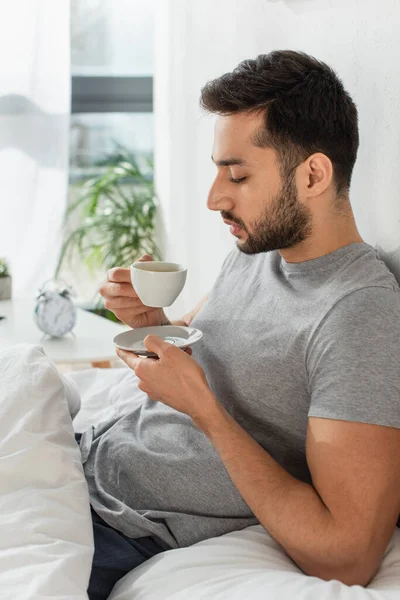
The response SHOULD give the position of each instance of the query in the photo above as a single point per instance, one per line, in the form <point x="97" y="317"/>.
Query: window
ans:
<point x="112" y="82"/>
<point x="111" y="104"/>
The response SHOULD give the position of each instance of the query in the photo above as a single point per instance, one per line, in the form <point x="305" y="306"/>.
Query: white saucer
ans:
<point x="133" y="340"/>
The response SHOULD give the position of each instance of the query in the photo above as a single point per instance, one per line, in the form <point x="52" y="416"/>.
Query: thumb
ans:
<point x="145" y="258"/>
<point x="155" y="344"/>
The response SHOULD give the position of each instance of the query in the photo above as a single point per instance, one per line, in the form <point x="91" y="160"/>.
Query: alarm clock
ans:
<point x="55" y="312"/>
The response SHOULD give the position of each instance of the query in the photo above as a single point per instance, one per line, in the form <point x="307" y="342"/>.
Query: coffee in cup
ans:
<point x="158" y="283"/>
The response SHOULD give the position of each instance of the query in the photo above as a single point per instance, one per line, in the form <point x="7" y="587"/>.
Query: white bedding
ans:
<point x="105" y="395"/>
<point x="46" y="542"/>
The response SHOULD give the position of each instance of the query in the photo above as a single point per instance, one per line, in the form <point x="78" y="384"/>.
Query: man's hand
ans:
<point x="121" y="298"/>
<point x="175" y="378"/>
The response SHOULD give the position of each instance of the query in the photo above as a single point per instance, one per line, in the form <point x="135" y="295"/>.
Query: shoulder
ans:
<point x="361" y="289"/>
<point x="373" y="308"/>
<point x="364" y="269"/>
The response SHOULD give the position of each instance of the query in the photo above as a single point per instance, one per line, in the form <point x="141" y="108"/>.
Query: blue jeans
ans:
<point x="115" y="555"/>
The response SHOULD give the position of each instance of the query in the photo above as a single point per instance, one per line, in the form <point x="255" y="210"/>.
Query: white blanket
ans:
<point x="105" y="395"/>
<point x="46" y="540"/>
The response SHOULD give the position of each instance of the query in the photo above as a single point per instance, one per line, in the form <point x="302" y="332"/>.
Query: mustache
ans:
<point x="229" y="217"/>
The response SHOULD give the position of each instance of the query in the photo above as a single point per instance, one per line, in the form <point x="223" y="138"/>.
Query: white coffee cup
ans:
<point x="158" y="283"/>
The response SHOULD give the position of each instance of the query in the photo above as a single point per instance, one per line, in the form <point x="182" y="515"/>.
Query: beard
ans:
<point x="284" y="223"/>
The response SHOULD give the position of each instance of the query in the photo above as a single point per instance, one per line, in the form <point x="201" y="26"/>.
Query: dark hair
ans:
<point x="305" y="105"/>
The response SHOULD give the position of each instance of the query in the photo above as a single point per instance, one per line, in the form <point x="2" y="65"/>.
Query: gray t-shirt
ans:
<point x="282" y="342"/>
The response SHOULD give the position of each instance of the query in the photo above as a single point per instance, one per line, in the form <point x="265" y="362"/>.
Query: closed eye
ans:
<point x="233" y="180"/>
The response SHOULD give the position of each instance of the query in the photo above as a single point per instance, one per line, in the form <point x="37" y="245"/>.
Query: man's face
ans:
<point x="249" y="191"/>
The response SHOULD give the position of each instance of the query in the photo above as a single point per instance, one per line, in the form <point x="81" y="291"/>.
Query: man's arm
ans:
<point x="187" y="319"/>
<point x="337" y="528"/>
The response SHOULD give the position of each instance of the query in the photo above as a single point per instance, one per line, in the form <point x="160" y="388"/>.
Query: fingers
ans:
<point x="113" y="290"/>
<point x="144" y="258"/>
<point x="131" y="359"/>
<point x="119" y="275"/>
<point x="134" y="361"/>
<point x="120" y="302"/>
<point x="119" y="282"/>
<point x="122" y="275"/>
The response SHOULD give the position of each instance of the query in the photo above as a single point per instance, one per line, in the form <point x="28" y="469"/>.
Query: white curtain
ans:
<point x="197" y="41"/>
<point x="34" y="133"/>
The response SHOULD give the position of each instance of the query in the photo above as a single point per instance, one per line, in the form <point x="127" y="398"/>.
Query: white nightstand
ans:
<point x="92" y="341"/>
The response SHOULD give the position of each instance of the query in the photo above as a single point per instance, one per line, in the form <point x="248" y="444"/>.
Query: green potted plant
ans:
<point x="116" y="219"/>
<point x="5" y="280"/>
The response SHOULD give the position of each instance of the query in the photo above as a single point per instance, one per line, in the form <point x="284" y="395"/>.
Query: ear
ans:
<point x="316" y="175"/>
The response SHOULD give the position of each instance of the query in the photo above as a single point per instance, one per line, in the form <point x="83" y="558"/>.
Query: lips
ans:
<point x="231" y="223"/>
<point x="234" y="229"/>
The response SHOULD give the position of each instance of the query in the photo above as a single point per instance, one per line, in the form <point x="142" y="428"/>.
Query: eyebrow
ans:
<point x="227" y="162"/>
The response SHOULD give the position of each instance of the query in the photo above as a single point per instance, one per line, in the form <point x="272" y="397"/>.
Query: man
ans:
<point x="288" y="410"/>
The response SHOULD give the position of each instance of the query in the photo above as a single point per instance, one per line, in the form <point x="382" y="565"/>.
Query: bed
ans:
<point x="46" y="543"/>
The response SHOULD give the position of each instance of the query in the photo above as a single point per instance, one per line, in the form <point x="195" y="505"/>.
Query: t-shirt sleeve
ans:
<point x="353" y="359"/>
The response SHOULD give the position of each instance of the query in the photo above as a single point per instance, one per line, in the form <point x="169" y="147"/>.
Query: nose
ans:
<point x="218" y="198"/>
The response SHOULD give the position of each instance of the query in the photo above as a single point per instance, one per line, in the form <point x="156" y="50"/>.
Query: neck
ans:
<point x="329" y="234"/>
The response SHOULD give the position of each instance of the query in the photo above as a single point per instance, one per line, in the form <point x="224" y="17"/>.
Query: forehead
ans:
<point x="234" y="137"/>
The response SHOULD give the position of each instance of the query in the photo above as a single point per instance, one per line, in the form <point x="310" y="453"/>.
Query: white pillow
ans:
<point x="247" y="565"/>
<point x="46" y="540"/>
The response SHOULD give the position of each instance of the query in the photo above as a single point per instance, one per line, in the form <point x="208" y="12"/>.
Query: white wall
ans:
<point x="197" y="41"/>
